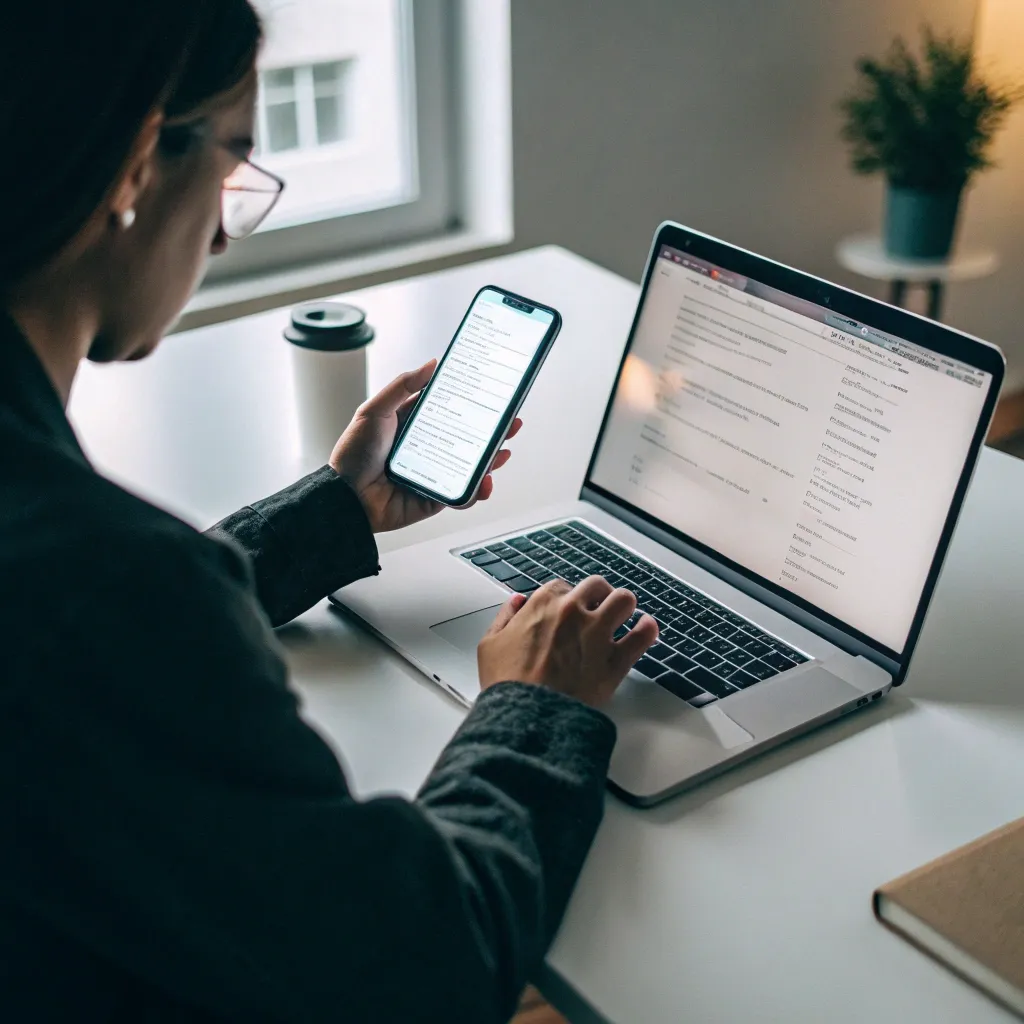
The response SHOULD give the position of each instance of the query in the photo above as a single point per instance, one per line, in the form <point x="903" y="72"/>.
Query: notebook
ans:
<point x="966" y="909"/>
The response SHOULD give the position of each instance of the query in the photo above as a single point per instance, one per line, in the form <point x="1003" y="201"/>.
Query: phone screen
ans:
<point x="464" y="403"/>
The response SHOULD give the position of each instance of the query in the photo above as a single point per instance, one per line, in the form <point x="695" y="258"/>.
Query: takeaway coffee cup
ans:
<point x="328" y="343"/>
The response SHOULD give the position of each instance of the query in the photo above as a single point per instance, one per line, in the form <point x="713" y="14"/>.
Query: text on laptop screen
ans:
<point x="814" y="451"/>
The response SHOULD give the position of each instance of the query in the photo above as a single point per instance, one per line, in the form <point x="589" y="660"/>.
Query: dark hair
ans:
<point x="80" y="78"/>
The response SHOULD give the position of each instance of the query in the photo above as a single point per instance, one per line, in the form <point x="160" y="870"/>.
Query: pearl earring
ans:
<point x="127" y="219"/>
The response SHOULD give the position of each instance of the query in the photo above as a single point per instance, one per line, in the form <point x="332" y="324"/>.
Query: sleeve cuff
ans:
<point x="305" y="542"/>
<point x="537" y="721"/>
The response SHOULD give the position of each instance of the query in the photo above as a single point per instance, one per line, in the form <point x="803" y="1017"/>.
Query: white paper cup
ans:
<point x="328" y="343"/>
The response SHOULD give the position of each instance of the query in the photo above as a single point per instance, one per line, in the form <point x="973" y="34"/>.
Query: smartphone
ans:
<point x="447" y="444"/>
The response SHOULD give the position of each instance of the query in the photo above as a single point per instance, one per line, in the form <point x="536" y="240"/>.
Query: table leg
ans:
<point x="898" y="293"/>
<point x="935" y="291"/>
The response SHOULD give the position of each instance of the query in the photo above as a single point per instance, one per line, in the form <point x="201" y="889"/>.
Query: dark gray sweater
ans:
<point x="175" y="843"/>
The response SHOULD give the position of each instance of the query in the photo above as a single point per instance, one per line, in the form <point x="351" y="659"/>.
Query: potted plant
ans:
<point x="928" y="125"/>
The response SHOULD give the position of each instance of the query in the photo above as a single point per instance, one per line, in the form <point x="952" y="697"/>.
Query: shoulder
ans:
<point x="78" y="541"/>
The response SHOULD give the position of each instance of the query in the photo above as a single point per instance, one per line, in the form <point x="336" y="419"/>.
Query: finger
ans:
<point x="636" y="642"/>
<point x="407" y="407"/>
<point x="615" y="609"/>
<point x="592" y="591"/>
<point x="517" y="425"/>
<point x="390" y="399"/>
<point x="507" y="613"/>
<point x="485" y="490"/>
<point x="552" y="590"/>
<point x="500" y="459"/>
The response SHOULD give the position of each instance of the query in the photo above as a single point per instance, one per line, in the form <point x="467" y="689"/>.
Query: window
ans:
<point x="302" y="108"/>
<point x="354" y="113"/>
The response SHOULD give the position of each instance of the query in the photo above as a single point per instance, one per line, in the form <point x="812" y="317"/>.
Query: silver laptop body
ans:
<point x="782" y="461"/>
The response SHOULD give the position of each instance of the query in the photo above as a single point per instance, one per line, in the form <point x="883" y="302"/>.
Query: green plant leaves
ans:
<point x="924" y="122"/>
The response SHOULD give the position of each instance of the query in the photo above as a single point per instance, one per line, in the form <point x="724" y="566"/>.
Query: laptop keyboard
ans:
<point x="705" y="651"/>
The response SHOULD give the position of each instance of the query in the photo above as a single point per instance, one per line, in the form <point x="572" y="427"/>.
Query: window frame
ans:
<point x="429" y="89"/>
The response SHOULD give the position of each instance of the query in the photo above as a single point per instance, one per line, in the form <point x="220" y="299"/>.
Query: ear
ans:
<point x="139" y="167"/>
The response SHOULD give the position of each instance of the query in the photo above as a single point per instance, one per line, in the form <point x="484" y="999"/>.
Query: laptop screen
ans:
<point x="812" y="450"/>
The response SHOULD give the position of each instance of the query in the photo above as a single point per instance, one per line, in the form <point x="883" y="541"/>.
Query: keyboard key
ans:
<point x="675" y="683"/>
<point x="617" y="581"/>
<point x="475" y="554"/>
<point x="657" y="608"/>
<point x="737" y="677"/>
<point x="521" y="584"/>
<point x="739" y="657"/>
<point x="559" y="531"/>
<point x="707" y="659"/>
<point x="679" y="663"/>
<point x="649" y="667"/>
<point x="672" y="636"/>
<point x="756" y="648"/>
<point x="787" y="652"/>
<point x="724" y="629"/>
<point x="777" y="661"/>
<point x="699" y="633"/>
<point x="686" y="607"/>
<point x="707" y="617"/>
<point x="519" y="543"/>
<point x="501" y="571"/>
<point x="656" y="587"/>
<point x="759" y="670"/>
<point x="592" y="568"/>
<point x="620" y="633"/>
<point x="710" y="682"/>
<point x="520" y="561"/>
<point x="501" y="550"/>
<point x="539" y="536"/>
<point x="637" y="576"/>
<point x="573" y="576"/>
<point x="720" y="647"/>
<point x="486" y="558"/>
<point x="688" y="647"/>
<point x="702" y="699"/>
<point x="684" y="623"/>
<point x="542" y="575"/>
<point x="660" y="651"/>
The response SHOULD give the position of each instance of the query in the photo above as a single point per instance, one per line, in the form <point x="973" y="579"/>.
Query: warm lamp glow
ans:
<point x="999" y="39"/>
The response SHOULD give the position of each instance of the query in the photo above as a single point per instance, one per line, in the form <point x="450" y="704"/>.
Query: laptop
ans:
<point x="777" y="477"/>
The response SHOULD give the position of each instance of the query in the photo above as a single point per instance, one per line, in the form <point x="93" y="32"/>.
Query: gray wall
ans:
<point x="723" y="115"/>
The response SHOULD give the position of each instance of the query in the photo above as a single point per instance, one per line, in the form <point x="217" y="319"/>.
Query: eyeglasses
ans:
<point x="248" y="196"/>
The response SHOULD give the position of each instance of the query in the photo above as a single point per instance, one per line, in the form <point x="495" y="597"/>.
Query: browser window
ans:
<point x="815" y="451"/>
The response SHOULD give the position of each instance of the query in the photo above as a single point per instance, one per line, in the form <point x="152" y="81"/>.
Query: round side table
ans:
<point x="866" y="255"/>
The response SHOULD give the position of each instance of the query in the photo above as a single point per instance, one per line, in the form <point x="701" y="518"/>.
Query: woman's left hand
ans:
<point x="360" y="454"/>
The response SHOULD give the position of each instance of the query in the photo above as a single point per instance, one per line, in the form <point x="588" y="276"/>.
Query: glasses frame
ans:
<point x="274" y="191"/>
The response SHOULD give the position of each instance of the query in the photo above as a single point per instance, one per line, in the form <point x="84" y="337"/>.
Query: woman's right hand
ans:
<point x="563" y="639"/>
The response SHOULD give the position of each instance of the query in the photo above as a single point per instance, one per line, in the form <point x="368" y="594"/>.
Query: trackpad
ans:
<point x="466" y="632"/>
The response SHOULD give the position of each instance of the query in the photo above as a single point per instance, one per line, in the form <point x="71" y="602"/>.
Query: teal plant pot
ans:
<point x="919" y="225"/>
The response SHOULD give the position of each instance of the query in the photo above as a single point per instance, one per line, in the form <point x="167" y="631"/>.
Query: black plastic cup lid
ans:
<point x="329" y="327"/>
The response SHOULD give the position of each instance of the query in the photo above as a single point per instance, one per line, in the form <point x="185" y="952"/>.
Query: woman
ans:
<point x="177" y="844"/>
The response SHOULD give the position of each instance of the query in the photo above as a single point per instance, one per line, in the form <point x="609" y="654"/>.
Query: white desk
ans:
<point x="747" y="900"/>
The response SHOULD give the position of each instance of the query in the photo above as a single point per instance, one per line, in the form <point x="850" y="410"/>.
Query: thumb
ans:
<point x="507" y="613"/>
<point x="388" y="400"/>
